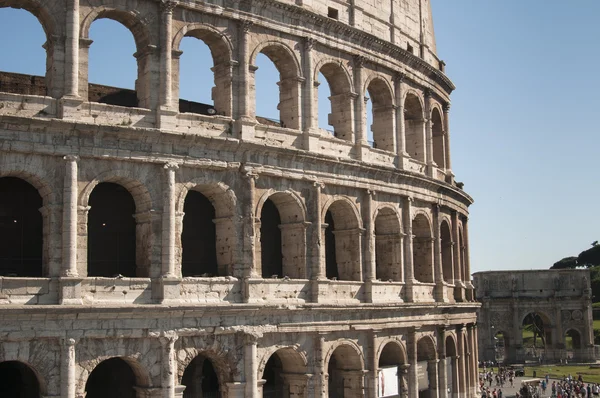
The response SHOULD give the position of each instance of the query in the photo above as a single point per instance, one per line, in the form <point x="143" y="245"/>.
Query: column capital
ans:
<point x="446" y="107"/>
<point x="319" y="184"/>
<point x="246" y="25"/>
<point x="167" y="6"/>
<point x="168" y="337"/>
<point x="359" y="61"/>
<point x="428" y="93"/>
<point x="171" y="166"/>
<point x="371" y="192"/>
<point x="69" y="341"/>
<point x="310" y="43"/>
<point x="399" y="77"/>
<point x="71" y="158"/>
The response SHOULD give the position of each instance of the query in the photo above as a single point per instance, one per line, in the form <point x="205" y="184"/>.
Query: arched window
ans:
<point x="426" y="363"/>
<point x="18" y="380"/>
<point x="340" y="100"/>
<point x="392" y="356"/>
<point x="345" y="373"/>
<point x="111" y="378"/>
<point x="572" y="340"/>
<point x="270" y="241"/>
<point x="25" y="73"/>
<point x="198" y="239"/>
<point x="446" y="241"/>
<point x="451" y="370"/>
<point x="200" y="379"/>
<point x="388" y="248"/>
<point x="21" y="232"/>
<point x="439" y="139"/>
<point x="111" y="232"/>
<point x="422" y="249"/>
<point x="195" y="63"/>
<point x="382" y="109"/>
<point x="284" y="374"/>
<point x="343" y="257"/>
<point x="414" y="125"/>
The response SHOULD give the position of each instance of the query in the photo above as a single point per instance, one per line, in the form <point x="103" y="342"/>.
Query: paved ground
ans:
<point x="508" y="391"/>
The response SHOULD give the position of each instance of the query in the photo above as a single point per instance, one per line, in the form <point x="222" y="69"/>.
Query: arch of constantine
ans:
<point x="151" y="246"/>
<point x="556" y="305"/>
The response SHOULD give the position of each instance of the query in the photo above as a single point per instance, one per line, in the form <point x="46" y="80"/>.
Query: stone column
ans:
<point x="359" y="116"/>
<point x="462" y="351"/>
<point x="72" y="50"/>
<point x="370" y="261"/>
<point x="67" y="372"/>
<point x="470" y="288"/>
<point x="318" y="243"/>
<point x="309" y="99"/>
<point x="432" y="370"/>
<point x="169" y="219"/>
<point x="455" y="376"/>
<point x="443" y="375"/>
<point x="169" y="364"/>
<point x="400" y="122"/>
<point x="458" y="285"/>
<point x="449" y="174"/>
<point x="245" y="120"/>
<point x="248" y="231"/>
<point x="429" y="134"/>
<point x="69" y="227"/>
<point x="411" y="348"/>
<point x="473" y="362"/>
<point x="234" y="390"/>
<point x="251" y="365"/>
<point x="409" y="271"/>
<point x="166" y="51"/>
<point x="321" y="388"/>
<point x="373" y="387"/>
<point x="403" y="380"/>
<point x="440" y="292"/>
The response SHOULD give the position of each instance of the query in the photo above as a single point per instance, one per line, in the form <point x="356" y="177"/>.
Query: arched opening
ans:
<point x="199" y="96"/>
<point x="426" y="368"/>
<point x="200" y="379"/>
<point x="446" y="241"/>
<point x="461" y="247"/>
<point x="536" y="334"/>
<point x="572" y="340"/>
<point x="18" y="380"/>
<point x="439" y="139"/>
<point x="113" y="82"/>
<point x="111" y="378"/>
<point x="392" y="377"/>
<point x="270" y="241"/>
<point x="111" y="232"/>
<point x="25" y="73"/>
<point x="451" y="367"/>
<point x="422" y="249"/>
<point x="195" y="63"/>
<point x="414" y="125"/>
<point x="342" y="257"/>
<point x="21" y="231"/>
<point x="500" y="346"/>
<point x="198" y="239"/>
<point x="382" y="115"/>
<point x="345" y="376"/>
<point x="388" y="247"/>
<point x="284" y="375"/>
<point x="340" y="100"/>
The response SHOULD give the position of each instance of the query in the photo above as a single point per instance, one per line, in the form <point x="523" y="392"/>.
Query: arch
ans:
<point x="221" y="196"/>
<point x="388" y="245"/>
<point x="422" y="248"/>
<point x="381" y="96"/>
<point x="39" y="10"/>
<point x="426" y="348"/>
<point x="31" y="174"/>
<point x="462" y="266"/>
<point x="447" y="257"/>
<point x="221" y="50"/>
<point x="218" y="355"/>
<point x="342" y="96"/>
<point x="439" y="138"/>
<point x="283" y="369"/>
<point x="537" y="324"/>
<point x="288" y="66"/>
<point x="282" y="235"/>
<point x="414" y="124"/>
<point x="426" y="362"/>
<point x="201" y="378"/>
<point x="292" y="357"/>
<point x="391" y="352"/>
<point x="19" y="379"/>
<point x="345" y="363"/>
<point x="342" y="240"/>
<point x="116" y="376"/>
<point x="573" y="339"/>
<point x="350" y="350"/>
<point x="131" y="19"/>
<point x="21" y="229"/>
<point x="451" y="359"/>
<point x="141" y="194"/>
<point x="198" y="237"/>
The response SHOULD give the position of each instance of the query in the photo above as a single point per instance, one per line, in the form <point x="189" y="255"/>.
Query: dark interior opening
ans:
<point x="199" y="257"/>
<point x="274" y="383"/>
<point x="20" y="229"/>
<point x="111" y="378"/>
<point x="270" y="241"/>
<point x="18" y="380"/>
<point x="200" y="379"/>
<point x="111" y="232"/>
<point x="331" y="269"/>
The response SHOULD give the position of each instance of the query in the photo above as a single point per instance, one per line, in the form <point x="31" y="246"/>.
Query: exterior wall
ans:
<point x="54" y="136"/>
<point x="561" y="297"/>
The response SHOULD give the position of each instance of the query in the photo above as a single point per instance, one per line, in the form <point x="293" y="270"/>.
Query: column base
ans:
<point x="440" y="293"/>
<point x="166" y="118"/>
<point x="243" y="128"/>
<point x="70" y="291"/>
<point x="68" y="107"/>
<point x="311" y="138"/>
<point x="166" y="289"/>
<point x="362" y="150"/>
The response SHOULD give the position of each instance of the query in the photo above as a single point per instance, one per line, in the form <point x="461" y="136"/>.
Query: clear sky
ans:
<point x="524" y="134"/>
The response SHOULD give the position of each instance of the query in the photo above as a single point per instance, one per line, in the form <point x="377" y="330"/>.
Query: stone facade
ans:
<point x="562" y="299"/>
<point x="211" y="253"/>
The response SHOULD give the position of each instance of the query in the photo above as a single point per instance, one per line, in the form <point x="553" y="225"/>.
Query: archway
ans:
<point x="422" y="249"/>
<point x="111" y="232"/>
<point x="446" y="241"/>
<point x="270" y="241"/>
<point x="439" y="139"/>
<point x="388" y="247"/>
<point x="392" y="377"/>
<point x="21" y="231"/>
<point x="342" y="242"/>
<point x="572" y="340"/>
<point x="451" y="367"/>
<point x="382" y="115"/>
<point x="200" y="379"/>
<point x="111" y="378"/>
<point x="340" y="117"/>
<point x="426" y="368"/>
<point x="284" y="375"/>
<point x="18" y="380"/>
<point x="198" y="238"/>
<point x="414" y="125"/>
<point x="536" y="335"/>
<point x="501" y="345"/>
<point x="345" y="373"/>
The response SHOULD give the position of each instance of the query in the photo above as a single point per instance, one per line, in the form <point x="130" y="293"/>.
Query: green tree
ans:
<point x="590" y="257"/>
<point x="567" y="262"/>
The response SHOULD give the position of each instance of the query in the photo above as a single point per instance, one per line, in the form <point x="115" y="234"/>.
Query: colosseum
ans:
<point x="152" y="246"/>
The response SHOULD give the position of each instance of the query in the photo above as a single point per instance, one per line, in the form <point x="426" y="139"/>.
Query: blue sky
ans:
<point x="524" y="134"/>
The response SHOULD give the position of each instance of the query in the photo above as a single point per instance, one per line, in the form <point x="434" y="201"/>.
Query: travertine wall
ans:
<point x="390" y="204"/>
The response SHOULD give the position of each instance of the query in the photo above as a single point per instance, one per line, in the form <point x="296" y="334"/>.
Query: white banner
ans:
<point x="388" y="382"/>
